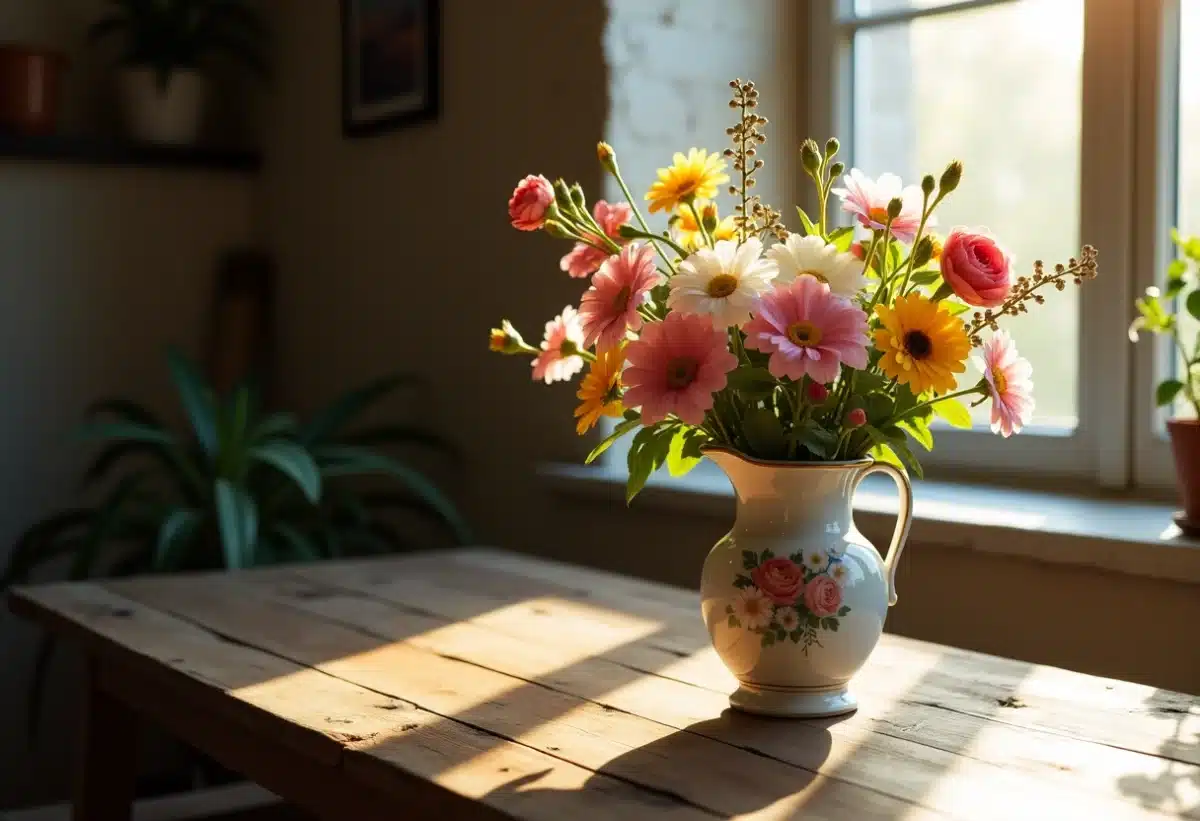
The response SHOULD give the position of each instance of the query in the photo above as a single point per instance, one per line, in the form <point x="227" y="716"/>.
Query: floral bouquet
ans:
<point x="828" y="344"/>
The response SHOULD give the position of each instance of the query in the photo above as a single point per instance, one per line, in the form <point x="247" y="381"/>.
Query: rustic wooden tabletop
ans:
<point x="483" y="684"/>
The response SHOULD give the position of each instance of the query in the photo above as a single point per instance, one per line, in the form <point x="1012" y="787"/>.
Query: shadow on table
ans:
<point x="1176" y="787"/>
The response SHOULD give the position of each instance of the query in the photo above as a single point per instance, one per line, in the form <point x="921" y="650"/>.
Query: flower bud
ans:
<point x="951" y="177"/>
<point x="857" y="250"/>
<point x="895" y="206"/>
<point x="607" y="157"/>
<point x="923" y="252"/>
<point x="557" y="230"/>
<point x="810" y="156"/>
<point x="561" y="192"/>
<point x="836" y="170"/>
<point x="831" y="147"/>
<point x="856" y="418"/>
<point x="927" y="184"/>
<point x="506" y="340"/>
<point x="816" y="392"/>
<point x="577" y="196"/>
<point x="709" y="218"/>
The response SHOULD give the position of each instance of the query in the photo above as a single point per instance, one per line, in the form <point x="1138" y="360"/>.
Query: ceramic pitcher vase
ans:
<point x="794" y="596"/>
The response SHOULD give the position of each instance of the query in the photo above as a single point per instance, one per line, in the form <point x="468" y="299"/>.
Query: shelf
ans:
<point x="102" y="151"/>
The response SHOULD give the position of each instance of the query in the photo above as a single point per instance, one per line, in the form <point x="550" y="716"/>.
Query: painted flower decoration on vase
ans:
<point x="688" y="178"/>
<point x="923" y="345"/>
<point x="686" y="231"/>
<point x="976" y="268"/>
<point x="610" y="306"/>
<point x="822" y="596"/>
<point x="811" y="256"/>
<point x="752" y="608"/>
<point x="808" y="331"/>
<point x="559" y="359"/>
<point x="868" y="199"/>
<point x="1009" y="382"/>
<point x="530" y="201"/>
<point x="600" y="390"/>
<point x="675" y="366"/>
<point x="586" y="257"/>
<point x="722" y="283"/>
<point x="780" y="578"/>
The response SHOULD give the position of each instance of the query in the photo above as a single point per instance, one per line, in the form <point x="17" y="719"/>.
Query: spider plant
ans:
<point x="167" y="35"/>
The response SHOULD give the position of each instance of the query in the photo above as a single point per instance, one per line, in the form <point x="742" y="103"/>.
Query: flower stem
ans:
<point x="976" y="388"/>
<point x="659" y="238"/>
<point x="796" y="408"/>
<point x="654" y="238"/>
<point x="700" y="223"/>
<point x="926" y="210"/>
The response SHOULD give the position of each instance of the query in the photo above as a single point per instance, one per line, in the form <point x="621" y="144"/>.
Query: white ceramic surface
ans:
<point x="171" y="115"/>
<point x="794" y="596"/>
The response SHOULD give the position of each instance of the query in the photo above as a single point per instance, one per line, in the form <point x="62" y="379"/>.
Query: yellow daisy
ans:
<point x="600" y="390"/>
<point x="923" y="345"/>
<point x="686" y="232"/>
<point x="696" y="175"/>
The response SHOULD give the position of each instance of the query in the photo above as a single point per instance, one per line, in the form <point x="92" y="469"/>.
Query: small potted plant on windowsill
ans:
<point x="167" y="44"/>
<point x="1159" y="314"/>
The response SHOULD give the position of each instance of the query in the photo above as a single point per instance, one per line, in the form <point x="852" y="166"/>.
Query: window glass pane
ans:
<point x="1188" y="186"/>
<point x="998" y="88"/>
<point x="865" y="8"/>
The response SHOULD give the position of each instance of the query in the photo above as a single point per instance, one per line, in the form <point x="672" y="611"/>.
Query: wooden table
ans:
<point x="482" y="684"/>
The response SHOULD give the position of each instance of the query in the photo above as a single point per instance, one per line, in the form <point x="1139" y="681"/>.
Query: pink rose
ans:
<point x="976" y="268"/>
<point x="781" y="579"/>
<point x="530" y="200"/>
<point x="822" y="596"/>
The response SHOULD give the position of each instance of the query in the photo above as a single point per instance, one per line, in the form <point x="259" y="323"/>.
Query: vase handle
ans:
<point x="903" y="521"/>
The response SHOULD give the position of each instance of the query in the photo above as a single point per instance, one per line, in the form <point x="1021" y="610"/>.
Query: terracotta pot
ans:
<point x="30" y="80"/>
<point x="1185" y="445"/>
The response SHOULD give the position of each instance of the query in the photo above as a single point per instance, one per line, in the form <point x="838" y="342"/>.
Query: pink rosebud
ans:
<point x="530" y="200"/>
<point x="856" y="418"/>
<point x="979" y="270"/>
<point x="817" y="393"/>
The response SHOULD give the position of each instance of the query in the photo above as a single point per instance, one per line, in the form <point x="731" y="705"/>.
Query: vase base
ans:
<point x="793" y="703"/>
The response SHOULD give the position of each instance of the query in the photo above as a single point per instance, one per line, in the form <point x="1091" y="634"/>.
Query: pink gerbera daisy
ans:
<point x="868" y="200"/>
<point x="584" y="259"/>
<point x="808" y="330"/>
<point x="560" y="359"/>
<point x="610" y="306"/>
<point x="675" y="367"/>
<point x="1008" y="378"/>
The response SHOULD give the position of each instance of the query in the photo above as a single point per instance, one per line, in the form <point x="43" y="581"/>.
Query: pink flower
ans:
<point x="1008" y="378"/>
<point x="868" y="200"/>
<point x="781" y="579"/>
<point x="822" y="596"/>
<point x="979" y="270"/>
<point x="584" y="259"/>
<point x="618" y="288"/>
<point x="675" y="367"/>
<point x="529" y="202"/>
<point x="560" y="359"/>
<point x="808" y="330"/>
<point x="856" y="418"/>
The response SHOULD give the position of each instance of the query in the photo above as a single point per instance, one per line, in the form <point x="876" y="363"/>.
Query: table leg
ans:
<point x="108" y="761"/>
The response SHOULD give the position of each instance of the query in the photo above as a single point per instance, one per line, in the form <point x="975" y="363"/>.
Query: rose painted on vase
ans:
<point x="823" y="596"/>
<point x="782" y="580"/>
<point x="976" y="268"/>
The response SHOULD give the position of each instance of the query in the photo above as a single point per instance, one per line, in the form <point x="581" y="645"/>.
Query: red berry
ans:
<point x="856" y="418"/>
<point x="817" y="393"/>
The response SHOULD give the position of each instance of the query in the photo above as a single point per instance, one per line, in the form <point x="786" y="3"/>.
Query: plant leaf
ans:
<point x="300" y="545"/>
<point x="752" y="383"/>
<point x="684" y="453"/>
<point x="42" y="542"/>
<point x="125" y="409"/>
<point x="842" y="238"/>
<point x="1193" y="303"/>
<point x="954" y="413"/>
<point x="1166" y="391"/>
<point x="647" y="453"/>
<point x="403" y="435"/>
<point x="197" y="400"/>
<point x="293" y="461"/>
<point x="275" y="425"/>
<point x="764" y="434"/>
<point x="918" y="429"/>
<point x="810" y="227"/>
<point x="126" y="431"/>
<point x="237" y="523"/>
<point x="623" y="427"/>
<point x="330" y="420"/>
<point x="176" y="531"/>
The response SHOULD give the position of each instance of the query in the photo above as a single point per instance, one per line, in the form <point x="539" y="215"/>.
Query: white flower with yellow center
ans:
<point x="787" y="618"/>
<point x="723" y="282"/>
<point x="753" y="609"/>
<point x="813" y="257"/>
<point x="815" y="559"/>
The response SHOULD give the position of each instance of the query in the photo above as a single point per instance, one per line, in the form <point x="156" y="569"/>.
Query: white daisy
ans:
<point x="752" y="608"/>
<point x="724" y="282"/>
<point x="815" y="559"/>
<point x="839" y="573"/>
<point x="811" y="256"/>
<point x="787" y="618"/>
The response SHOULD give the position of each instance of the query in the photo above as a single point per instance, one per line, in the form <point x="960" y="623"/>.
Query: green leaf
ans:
<point x="844" y="611"/>
<point x="623" y="427"/>
<point x="764" y="434"/>
<point x="734" y="621"/>
<point x="885" y="454"/>
<point x="330" y="420"/>
<point x="842" y="238"/>
<point x="918" y="429"/>
<point x="768" y="639"/>
<point x="810" y="227"/>
<point x="237" y="522"/>
<point x="752" y="383"/>
<point x="954" y="413"/>
<point x="344" y="460"/>
<point x="126" y="431"/>
<point x="684" y="453"/>
<point x="44" y="541"/>
<point x="197" y="400"/>
<point x="910" y="461"/>
<point x="1166" y="391"/>
<point x="822" y="443"/>
<point x="403" y="435"/>
<point x="926" y="277"/>
<point x="955" y="308"/>
<point x="780" y="634"/>
<point x="1193" y="304"/>
<point x="766" y="555"/>
<point x="749" y="560"/>
<point x="275" y="425"/>
<point x="125" y="409"/>
<point x="295" y="462"/>
<point x="173" y="536"/>
<point x="833" y="625"/>
<point x="647" y="453"/>
<point x="300" y="546"/>
<point x="1176" y="278"/>
<point x="796" y="635"/>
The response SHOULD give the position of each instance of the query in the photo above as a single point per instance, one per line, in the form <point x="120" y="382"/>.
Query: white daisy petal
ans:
<point x="723" y="282"/>
<point x="811" y="256"/>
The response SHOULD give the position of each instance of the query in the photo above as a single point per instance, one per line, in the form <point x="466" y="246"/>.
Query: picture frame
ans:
<point x="391" y="61"/>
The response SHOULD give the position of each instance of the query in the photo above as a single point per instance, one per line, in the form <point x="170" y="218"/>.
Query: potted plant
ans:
<point x="166" y="46"/>
<point x="1158" y="313"/>
<point x="241" y="488"/>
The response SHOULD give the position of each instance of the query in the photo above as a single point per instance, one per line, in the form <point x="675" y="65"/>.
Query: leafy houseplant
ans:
<point x="166" y="45"/>
<point x="242" y="488"/>
<point x="1158" y="313"/>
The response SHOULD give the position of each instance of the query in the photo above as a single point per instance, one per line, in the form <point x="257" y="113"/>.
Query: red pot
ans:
<point x="30" y="80"/>
<point x="1185" y="445"/>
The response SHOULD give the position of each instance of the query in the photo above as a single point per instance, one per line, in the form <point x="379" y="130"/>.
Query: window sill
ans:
<point x="1116" y="534"/>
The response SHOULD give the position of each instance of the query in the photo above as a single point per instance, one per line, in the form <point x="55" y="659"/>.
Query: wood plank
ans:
<point x="266" y="703"/>
<point x="632" y="748"/>
<point x="108" y="756"/>
<point x="525" y="648"/>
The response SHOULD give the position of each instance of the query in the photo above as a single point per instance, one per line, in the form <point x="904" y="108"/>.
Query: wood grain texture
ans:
<point x="486" y="681"/>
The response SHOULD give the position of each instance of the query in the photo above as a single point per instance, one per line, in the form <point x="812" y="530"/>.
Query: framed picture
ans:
<point x="391" y="56"/>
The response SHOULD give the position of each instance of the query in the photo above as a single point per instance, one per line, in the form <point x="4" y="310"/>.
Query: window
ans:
<point x="1066" y="114"/>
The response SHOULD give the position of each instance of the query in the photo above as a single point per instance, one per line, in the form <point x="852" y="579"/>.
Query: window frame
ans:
<point x="1099" y="449"/>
